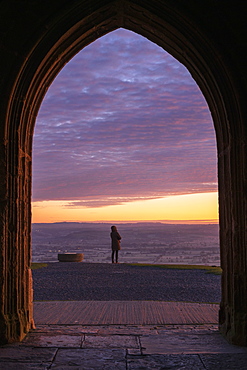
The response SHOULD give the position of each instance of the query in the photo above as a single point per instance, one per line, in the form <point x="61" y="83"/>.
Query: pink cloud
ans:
<point x="123" y="119"/>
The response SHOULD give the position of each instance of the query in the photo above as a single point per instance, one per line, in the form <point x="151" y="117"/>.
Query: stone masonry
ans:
<point x="37" y="39"/>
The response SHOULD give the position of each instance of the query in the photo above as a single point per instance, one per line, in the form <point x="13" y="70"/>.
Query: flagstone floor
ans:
<point x="73" y="346"/>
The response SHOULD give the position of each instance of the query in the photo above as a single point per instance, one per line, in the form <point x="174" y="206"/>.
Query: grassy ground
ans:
<point x="208" y="269"/>
<point x="35" y="265"/>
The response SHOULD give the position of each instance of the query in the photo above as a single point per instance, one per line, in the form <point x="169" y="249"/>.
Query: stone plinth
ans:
<point x="70" y="257"/>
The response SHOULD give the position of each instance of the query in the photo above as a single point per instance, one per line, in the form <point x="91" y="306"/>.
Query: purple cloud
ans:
<point x="123" y="119"/>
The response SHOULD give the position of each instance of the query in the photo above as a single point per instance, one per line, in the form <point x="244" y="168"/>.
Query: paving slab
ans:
<point x="90" y="359"/>
<point x="184" y="342"/>
<point x="198" y="329"/>
<point x="54" y="340"/>
<point x="225" y="361"/>
<point x="21" y="353"/>
<point x="110" y="341"/>
<point x="67" y="329"/>
<point x="186" y="362"/>
<point x="127" y="329"/>
<point x="24" y="366"/>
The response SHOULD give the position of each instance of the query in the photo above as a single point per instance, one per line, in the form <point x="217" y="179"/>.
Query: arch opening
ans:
<point x="134" y="112"/>
<point x="133" y="136"/>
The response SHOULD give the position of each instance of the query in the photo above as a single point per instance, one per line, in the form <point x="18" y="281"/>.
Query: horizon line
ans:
<point x="178" y="222"/>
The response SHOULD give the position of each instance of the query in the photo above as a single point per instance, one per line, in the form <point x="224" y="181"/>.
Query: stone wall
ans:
<point x="37" y="39"/>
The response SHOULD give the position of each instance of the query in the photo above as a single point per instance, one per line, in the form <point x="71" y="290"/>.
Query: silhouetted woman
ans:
<point x="115" y="243"/>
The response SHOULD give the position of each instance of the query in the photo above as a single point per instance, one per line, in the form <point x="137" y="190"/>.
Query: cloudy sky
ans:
<point x="122" y="122"/>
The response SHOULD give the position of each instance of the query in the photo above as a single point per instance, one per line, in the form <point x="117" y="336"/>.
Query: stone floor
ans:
<point x="124" y="347"/>
<point x="79" y="335"/>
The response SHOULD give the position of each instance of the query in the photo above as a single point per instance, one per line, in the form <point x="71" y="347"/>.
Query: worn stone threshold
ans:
<point x="124" y="312"/>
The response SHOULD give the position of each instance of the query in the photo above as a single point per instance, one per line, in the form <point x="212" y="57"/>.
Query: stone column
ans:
<point x="16" y="316"/>
<point x="233" y="308"/>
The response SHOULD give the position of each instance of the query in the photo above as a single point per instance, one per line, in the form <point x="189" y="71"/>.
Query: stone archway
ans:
<point x="38" y="40"/>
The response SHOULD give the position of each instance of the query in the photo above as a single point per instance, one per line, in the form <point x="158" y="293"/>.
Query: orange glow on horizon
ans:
<point x="202" y="206"/>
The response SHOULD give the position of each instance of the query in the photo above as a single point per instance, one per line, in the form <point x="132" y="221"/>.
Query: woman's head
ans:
<point x="113" y="228"/>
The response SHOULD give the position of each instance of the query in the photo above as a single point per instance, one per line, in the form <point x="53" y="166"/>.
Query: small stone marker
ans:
<point x="70" y="257"/>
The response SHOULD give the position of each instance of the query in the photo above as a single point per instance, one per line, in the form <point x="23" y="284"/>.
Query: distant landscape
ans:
<point x="142" y="242"/>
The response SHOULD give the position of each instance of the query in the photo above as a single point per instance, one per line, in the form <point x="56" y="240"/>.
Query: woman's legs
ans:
<point x="112" y="256"/>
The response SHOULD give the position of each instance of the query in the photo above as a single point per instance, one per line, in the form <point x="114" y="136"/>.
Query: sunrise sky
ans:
<point x="124" y="134"/>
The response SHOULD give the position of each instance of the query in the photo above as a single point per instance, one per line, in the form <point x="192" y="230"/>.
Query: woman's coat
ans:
<point x="115" y="241"/>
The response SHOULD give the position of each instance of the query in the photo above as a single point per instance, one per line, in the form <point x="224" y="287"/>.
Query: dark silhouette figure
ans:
<point x="115" y="243"/>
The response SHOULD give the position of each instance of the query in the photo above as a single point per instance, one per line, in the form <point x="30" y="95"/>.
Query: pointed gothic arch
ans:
<point x="37" y="45"/>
